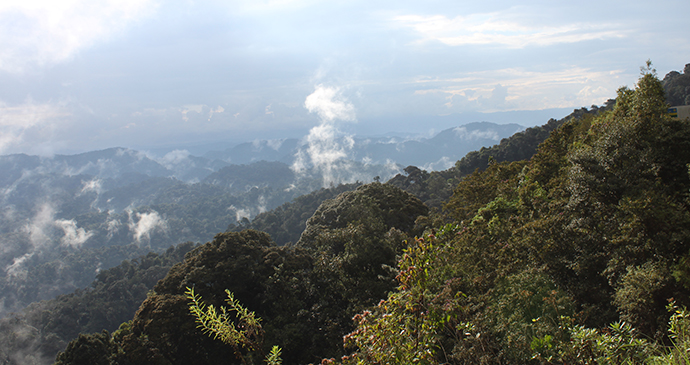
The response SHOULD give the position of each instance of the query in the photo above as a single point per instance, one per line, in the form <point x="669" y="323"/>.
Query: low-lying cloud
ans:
<point x="41" y="233"/>
<point x="462" y="133"/>
<point x="146" y="223"/>
<point x="73" y="236"/>
<point x="326" y="148"/>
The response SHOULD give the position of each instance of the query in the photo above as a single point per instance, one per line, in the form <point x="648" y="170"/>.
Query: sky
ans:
<point x="80" y="75"/>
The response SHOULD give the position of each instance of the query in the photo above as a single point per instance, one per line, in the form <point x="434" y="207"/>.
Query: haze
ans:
<point x="83" y="75"/>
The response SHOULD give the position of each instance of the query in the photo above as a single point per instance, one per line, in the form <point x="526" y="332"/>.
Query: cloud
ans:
<point x="42" y="231"/>
<point x="240" y="213"/>
<point x="113" y="224"/>
<point x="146" y="224"/>
<point x="217" y="110"/>
<point x="521" y="89"/>
<point x="329" y="105"/>
<point x="263" y="202"/>
<point x="38" y="228"/>
<point x="461" y="132"/>
<point x="42" y="225"/>
<point x="326" y="145"/>
<point x="326" y="148"/>
<point x="29" y="121"/>
<point x="41" y="33"/>
<point x="73" y="237"/>
<point x="94" y="185"/>
<point x="504" y="29"/>
<point x="443" y="163"/>
<point x="275" y="143"/>
<point x="16" y="268"/>
<point x="191" y="108"/>
<point x="174" y="158"/>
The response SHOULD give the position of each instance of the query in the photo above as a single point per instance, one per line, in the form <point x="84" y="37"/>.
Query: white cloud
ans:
<point x="39" y="226"/>
<point x="217" y="110"/>
<point x="462" y="133"/>
<point x="94" y="185"/>
<point x="325" y="151"/>
<point x="113" y="226"/>
<point x="275" y="143"/>
<point x="40" y="33"/>
<point x="191" y="108"/>
<point x="326" y="145"/>
<point x="268" y="6"/>
<point x="263" y="202"/>
<point x="146" y="224"/>
<point x="73" y="236"/>
<point x="240" y="213"/>
<point x="175" y="158"/>
<point x="37" y="121"/>
<point x="521" y="89"/>
<point x="505" y="29"/>
<point x="443" y="163"/>
<point x="329" y="104"/>
<point x="16" y="268"/>
<point x="43" y="231"/>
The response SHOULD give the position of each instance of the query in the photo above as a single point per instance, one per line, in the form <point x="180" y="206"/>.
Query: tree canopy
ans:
<point x="577" y="255"/>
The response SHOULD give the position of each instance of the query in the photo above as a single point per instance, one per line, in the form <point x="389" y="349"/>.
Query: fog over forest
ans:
<point x="380" y="182"/>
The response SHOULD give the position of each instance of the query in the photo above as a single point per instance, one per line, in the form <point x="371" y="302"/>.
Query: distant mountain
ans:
<point x="258" y="174"/>
<point x="64" y="218"/>
<point x="435" y="153"/>
<point x="282" y="150"/>
<point x="439" y="152"/>
<point x="107" y="163"/>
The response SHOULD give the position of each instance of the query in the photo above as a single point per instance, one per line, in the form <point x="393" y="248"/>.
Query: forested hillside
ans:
<point x="38" y="332"/>
<point x="42" y="329"/>
<point x="570" y="238"/>
<point x="286" y="223"/>
<point x="571" y="257"/>
<point x="305" y="294"/>
<point x="578" y="255"/>
<point x="66" y="217"/>
<point x="435" y="187"/>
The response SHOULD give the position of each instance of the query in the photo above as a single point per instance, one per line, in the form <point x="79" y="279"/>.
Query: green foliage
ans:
<point x="402" y="329"/>
<point x="524" y="313"/>
<point x="273" y="357"/>
<point x="677" y="87"/>
<point x="436" y="187"/>
<point x="639" y="292"/>
<point x="546" y="253"/>
<point x="523" y="145"/>
<point x="306" y="294"/>
<point x="616" y="344"/>
<point x="220" y="324"/>
<point x="481" y="188"/>
<point x="95" y="349"/>
<point x="355" y="239"/>
<point x="679" y="332"/>
<point x="111" y="299"/>
<point x="286" y="223"/>
<point x="392" y="206"/>
<point x="568" y="258"/>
